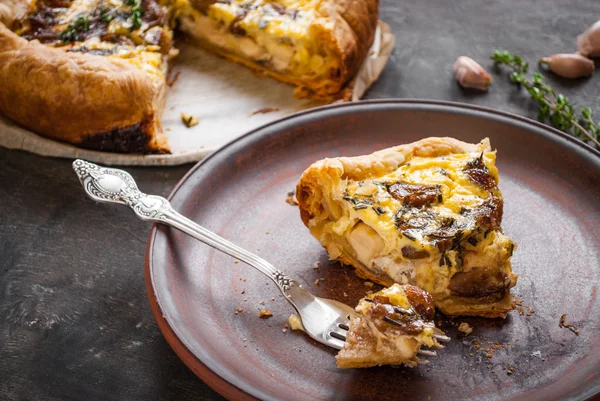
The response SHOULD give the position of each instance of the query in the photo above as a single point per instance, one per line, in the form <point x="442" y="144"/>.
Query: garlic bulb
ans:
<point x="569" y="65"/>
<point x="588" y="43"/>
<point x="469" y="74"/>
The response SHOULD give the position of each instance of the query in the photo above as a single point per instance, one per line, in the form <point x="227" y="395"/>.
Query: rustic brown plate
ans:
<point x="551" y="185"/>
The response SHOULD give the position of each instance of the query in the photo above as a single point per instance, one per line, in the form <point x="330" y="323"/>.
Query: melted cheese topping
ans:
<point x="458" y="191"/>
<point x="366" y="218"/>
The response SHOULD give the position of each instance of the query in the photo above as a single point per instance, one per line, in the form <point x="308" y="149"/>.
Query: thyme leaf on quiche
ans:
<point x="554" y="107"/>
<point x="136" y="16"/>
<point x="105" y="15"/>
<point x="73" y="32"/>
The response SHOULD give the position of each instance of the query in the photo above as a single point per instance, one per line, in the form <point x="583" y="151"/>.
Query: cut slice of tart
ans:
<point x="390" y="328"/>
<point x="428" y="213"/>
<point x="317" y="45"/>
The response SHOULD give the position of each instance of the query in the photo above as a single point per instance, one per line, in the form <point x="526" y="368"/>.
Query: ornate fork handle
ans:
<point x="110" y="185"/>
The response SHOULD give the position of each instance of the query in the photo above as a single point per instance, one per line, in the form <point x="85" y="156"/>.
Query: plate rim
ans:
<point x="221" y="385"/>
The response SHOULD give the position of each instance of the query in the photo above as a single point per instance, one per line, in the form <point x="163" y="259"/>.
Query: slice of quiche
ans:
<point x="428" y="213"/>
<point x="390" y="328"/>
<point x="88" y="72"/>
<point x="317" y="45"/>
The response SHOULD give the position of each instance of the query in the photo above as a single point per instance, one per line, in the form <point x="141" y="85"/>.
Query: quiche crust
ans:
<point x="97" y="102"/>
<point x="457" y="289"/>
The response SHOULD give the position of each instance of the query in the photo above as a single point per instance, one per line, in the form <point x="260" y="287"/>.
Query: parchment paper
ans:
<point x="228" y="100"/>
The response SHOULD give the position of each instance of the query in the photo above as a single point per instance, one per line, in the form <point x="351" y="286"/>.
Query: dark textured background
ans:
<point x="74" y="317"/>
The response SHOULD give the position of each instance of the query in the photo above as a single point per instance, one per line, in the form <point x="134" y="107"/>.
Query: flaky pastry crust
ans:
<point x="92" y="101"/>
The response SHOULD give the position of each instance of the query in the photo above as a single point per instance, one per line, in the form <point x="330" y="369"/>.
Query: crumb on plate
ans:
<point x="264" y="110"/>
<point x="295" y="322"/>
<point x="465" y="328"/>
<point x="291" y="198"/>
<point x="563" y="323"/>
<point x="265" y="313"/>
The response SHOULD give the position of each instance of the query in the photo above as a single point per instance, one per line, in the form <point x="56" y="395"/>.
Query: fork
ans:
<point x="325" y="320"/>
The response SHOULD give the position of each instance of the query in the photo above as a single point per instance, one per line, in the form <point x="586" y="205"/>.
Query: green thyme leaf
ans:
<point x="136" y="16"/>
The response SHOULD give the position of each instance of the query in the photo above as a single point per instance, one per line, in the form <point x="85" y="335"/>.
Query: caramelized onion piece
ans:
<point x="415" y="195"/>
<point x="478" y="282"/>
<point x="421" y="301"/>
<point x="410" y="252"/>
<point x="479" y="173"/>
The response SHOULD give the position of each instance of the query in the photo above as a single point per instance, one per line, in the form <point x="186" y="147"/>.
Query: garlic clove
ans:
<point x="588" y="43"/>
<point x="469" y="74"/>
<point x="569" y="65"/>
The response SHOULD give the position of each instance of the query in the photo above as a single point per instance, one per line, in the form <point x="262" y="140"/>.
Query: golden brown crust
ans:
<point x="311" y="205"/>
<point x="353" y="33"/>
<point x="73" y="97"/>
<point x="12" y="11"/>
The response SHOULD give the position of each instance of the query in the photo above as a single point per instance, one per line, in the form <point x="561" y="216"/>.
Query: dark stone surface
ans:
<point x="75" y="318"/>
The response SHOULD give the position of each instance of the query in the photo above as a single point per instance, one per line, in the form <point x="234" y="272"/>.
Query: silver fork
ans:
<point x="325" y="320"/>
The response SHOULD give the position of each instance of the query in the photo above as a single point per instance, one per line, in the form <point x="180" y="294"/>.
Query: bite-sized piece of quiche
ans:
<point x="390" y="328"/>
<point x="427" y="213"/>
<point x="88" y="72"/>
<point x="317" y="45"/>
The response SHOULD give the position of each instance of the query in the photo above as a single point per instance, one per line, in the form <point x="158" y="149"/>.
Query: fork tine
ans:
<point x="426" y="353"/>
<point x="335" y="343"/>
<point x="442" y="338"/>
<point x="337" y="335"/>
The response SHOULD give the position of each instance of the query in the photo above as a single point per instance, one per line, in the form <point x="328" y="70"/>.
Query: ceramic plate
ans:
<point x="551" y="186"/>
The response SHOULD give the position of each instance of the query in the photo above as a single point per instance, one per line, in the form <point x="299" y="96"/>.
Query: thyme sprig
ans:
<point x="74" y="31"/>
<point x="553" y="108"/>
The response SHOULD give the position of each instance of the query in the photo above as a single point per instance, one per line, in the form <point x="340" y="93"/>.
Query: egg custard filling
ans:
<point x="390" y="328"/>
<point x="427" y="213"/>
<point x="289" y="39"/>
<point x="133" y="30"/>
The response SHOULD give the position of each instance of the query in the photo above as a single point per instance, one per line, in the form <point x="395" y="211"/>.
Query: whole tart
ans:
<point x="93" y="72"/>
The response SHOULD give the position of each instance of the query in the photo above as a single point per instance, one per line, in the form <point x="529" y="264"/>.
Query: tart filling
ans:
<point x="391" y="327"/>
<point x="133" y="30"/>
<point x="291" y="39"/>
